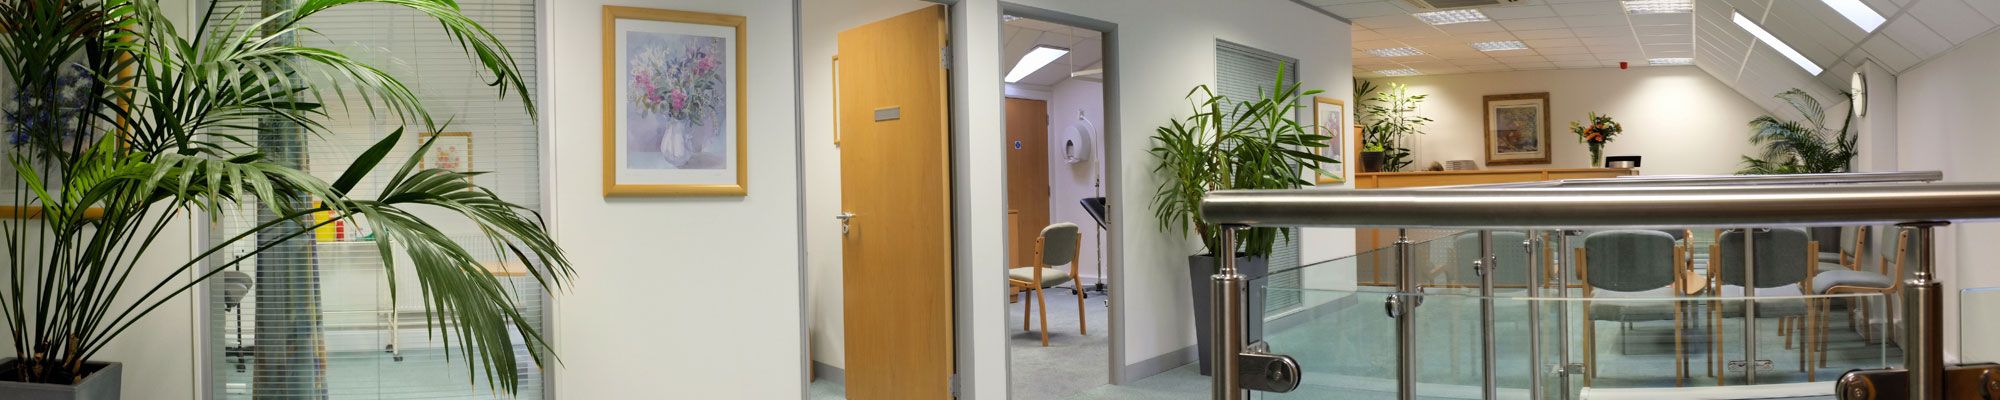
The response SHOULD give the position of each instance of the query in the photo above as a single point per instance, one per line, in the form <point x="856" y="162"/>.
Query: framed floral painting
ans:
<point x="1517" y="129"/>
<point x="673" y="103"/>
<point x="1330" y="119"/>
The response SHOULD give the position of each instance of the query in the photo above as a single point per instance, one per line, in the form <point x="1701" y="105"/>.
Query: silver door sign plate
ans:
<point x="888" y="113"/>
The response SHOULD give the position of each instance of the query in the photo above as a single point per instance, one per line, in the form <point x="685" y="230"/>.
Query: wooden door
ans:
<point x="895" y="183"/>
<point x="1027" y="173"/>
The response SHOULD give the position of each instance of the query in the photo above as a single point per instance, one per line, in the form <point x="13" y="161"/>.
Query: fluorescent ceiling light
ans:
<point x="1448" y="17"/>
<point x="1776" y="44"/>
<point x="1670" y="61"/>
<point x="1397" y="72"/>
<point x="1040" y="57"/>
<point x="1643" y="7"/>
<point x="1396" y="52"/>
<point x="1500" y="45"/>
<point x="1864" y="17"/>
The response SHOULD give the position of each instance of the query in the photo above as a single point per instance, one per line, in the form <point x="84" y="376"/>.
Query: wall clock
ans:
<point x="1859" y="84"/>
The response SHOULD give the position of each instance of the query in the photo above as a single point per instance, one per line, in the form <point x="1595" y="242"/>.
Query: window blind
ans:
<point x="1243" y="73"/>
<point x="311" y="318"/>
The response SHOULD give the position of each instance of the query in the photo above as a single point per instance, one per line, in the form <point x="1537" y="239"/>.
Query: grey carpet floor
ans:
<point x="1073" y="362"/>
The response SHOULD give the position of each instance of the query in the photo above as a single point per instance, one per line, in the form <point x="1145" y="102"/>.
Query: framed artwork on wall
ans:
<point x="1330" y="119"/>
<point x="452" y="151"/>
<point x="674" y="109"/>
<point x="1517" y="129"/>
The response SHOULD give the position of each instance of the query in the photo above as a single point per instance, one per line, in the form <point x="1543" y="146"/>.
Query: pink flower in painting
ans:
<point x="704" y="66"/>
<point x="679" y="100"/>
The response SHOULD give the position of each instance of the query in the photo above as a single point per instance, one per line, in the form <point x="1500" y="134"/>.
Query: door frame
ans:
<point x="1113" y="238"/>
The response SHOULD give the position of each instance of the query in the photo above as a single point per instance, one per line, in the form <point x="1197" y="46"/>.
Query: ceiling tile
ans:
<point x="1578" y="64"/>
<point x="1471" y="27"/>
<point x="1572" y="57"/>
<point x="1533" y="66"/>
<point x="1533" y="23"/>
<point x="1653" y="48"/>
<point x="1485" y="37"/>
<point x="1562" y="50"/>
<point x="1376" y="44"/>
<point x="1610" y="9"/>
<point x="1952" y="19"/>
<point x="1518" y="12"/>
<point x="1595" y="20"/>
<point x="1610" y="41"/>
<point x="1365" y="10"/>
<point x="1664" y="30"/>
<point x="1990" y="8"/>
<point x="1488" y="68"/>
<point x="1545" y="34"/>
<point x="1521" y="59"/>
<point x="1889" y="53"/>
<point x="1664" y="39"/>
<point x="1361" y="35"/>
<point x="1411" y="32"/>
<point x="1662" y="19"/>
<point x="1561" y="42"/>
<point x="1886" y="7"/>
<point x="1387" y="21"/>
<point x="1466" y="62"/>
<point x="1915" y="37"/>
<point x="1603" y="31"/>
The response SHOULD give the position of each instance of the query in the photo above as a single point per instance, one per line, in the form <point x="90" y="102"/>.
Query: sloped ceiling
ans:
<point x="1563" y="34"/>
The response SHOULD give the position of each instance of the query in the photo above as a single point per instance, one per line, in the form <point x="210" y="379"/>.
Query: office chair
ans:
<point x="1058" y="245"/>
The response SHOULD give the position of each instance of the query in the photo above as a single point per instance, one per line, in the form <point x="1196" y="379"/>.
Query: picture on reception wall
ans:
<point x="1517" y="129"/>
<point x="674" y="106"/>
<point x="450" y="151"/>
<point x="1330" y="119"/>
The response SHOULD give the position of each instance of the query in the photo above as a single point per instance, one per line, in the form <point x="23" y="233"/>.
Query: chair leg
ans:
<point x="1589" y="346"/>
<point x="1045" y="314"/>
<point x="1784" y="325"/>
<point x="1715" y="345"/>
<point x="1027" y="308"/>
<point x="1081" y="326"/>
<point x="1680" y="350"/>
<point x="1805" y="337"/>
<point x="1826" y="310"/>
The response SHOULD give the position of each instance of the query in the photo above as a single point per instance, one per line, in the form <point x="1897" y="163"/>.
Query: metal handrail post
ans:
<point x="1227" y="320"/>
<point x="1406" y="325"/>
<point x="1487" y="269"/>
<point x="1923" y="305"/>
<point x="1535" y="282"/>
<point x="1563" y="263"/>
<point x="1749" y="306"/>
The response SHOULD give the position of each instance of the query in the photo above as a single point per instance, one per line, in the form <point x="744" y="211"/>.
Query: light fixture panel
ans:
<point x="1860" y="14"/>
<point x="1040" y="57"/>
<point x="1396" y="52"/>
<point x="1500" y="45"/>
<point x="1448" y="17"/>
<point x="1779" y="45"/>
<point x="1645" y="7"/>
<point x="1670" y="61"/>
<point x="1398" y="72"/>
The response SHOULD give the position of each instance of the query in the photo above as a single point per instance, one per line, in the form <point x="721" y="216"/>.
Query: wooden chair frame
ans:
<point x="1896" y="285"/>
<point x="1590" y="325"/>
<point x="1786" y="325"/>
<point x="1082" y="326"/>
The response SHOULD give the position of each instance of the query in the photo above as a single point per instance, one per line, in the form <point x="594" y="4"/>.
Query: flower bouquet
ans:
<point x="1601" y="130"/>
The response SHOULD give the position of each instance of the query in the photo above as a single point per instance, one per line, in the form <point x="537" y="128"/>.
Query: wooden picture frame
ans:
<point x="1330" y="118"/>
<point x="1516" y="129"/>
<point x="453" y="151"/>
<point x="675" y="109"/>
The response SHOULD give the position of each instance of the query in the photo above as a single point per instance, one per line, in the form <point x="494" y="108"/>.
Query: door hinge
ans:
<point x="944" y="57"/>
<point x="951" y="384"/>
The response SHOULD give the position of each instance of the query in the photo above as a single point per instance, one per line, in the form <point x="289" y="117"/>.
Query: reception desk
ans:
<point x="1376" y="268"/>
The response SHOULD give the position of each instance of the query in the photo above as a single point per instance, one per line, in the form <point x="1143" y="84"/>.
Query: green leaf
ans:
<point x="366" y="162"/>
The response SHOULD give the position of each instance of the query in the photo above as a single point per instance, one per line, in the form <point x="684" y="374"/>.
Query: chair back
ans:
<point x="1781" y="257"/>
<point x="1829" y="237"/>
<point x="1508" y="253"/>
<point x="1629" y="260"/>
<point x="1059" y="243"/>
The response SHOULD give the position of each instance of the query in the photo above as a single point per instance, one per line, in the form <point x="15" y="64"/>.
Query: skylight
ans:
<point x="1670" y="61"/>
<point x="1500" y="45"/>
<point x="1040" y="57"/>
<point x="1396" y="52"/>
<point x="1864" y="17"/>
<point x="1398" y="72"/>
<point x="1776" y="44"/>
<point x="1643" y="7"/>
<point x="1448" y="17"/>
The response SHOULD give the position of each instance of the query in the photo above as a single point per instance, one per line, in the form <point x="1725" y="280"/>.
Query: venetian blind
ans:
<point x="315" y="320"/>
<point x="1244" y="73"/>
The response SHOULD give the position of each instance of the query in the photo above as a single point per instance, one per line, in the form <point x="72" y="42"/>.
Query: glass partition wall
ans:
<point x="1555" y="301"/>
<point x="312" y="317"/>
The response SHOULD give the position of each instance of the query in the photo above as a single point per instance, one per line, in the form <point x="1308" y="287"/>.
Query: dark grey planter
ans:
<point x="1201" y="269"/>
<point x="100" y="384"/>
<point x="1371" y="161"/>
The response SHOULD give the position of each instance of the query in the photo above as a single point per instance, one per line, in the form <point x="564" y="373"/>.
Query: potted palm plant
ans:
<point x="120" y="123"/>
<point x="1811" y="146"/>
<point x="1392" y="116"/>
<point x="1225" y="145"/>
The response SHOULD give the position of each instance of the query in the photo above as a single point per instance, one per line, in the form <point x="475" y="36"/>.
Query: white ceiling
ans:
<point x="1597" y="33"/>
<point x="1086" y="50"/>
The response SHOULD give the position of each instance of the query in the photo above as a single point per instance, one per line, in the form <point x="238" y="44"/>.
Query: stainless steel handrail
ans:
<point x="1607" y="207"/>
<point x="1723" y="180"/>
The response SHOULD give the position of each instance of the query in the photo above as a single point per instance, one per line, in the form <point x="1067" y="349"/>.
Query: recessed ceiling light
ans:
<point x="1500" y="45"/>
<point x="1861" y="14"/>
<point x="1448" y="17"/>
<point x="1009" y="18"/>
<point x="1397" y="72"/>
<point x="1040" y="57"/>
<point x="1396" y="52"/>
<point x="1643" y="7"/>
<point x="1776" y="44"/>
<point x="1670" y="61"/>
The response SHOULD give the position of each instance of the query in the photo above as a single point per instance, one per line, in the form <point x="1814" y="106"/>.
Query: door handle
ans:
<point x="845" y="218"/>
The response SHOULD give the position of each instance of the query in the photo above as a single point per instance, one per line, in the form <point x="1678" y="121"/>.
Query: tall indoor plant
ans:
<point x="121" y="123"/>
<point x="1811" y="146"/>
<point x="1392" y="116"/>
<point x="1225" y="145"/>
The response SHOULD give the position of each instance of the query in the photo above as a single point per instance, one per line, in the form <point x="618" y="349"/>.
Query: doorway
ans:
<point x="1060" y="338"/>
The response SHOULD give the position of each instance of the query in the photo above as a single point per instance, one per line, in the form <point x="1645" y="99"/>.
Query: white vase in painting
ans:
<point x="678" y="143"/>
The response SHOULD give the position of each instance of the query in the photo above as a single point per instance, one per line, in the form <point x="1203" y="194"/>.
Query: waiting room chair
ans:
<point x="1058" y="245"/>
<point x="1784" y="257"/>
<point x="1859" y="282"/>
<point x="1630" y="264"/>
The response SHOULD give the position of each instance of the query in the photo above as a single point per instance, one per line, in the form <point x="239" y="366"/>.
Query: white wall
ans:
<point x="1069" y="183"/>
<point x="692" y="295"/>
<point x="820" y="24"/>
<point x="1945" y="114"/>
<point x="1681" y="119"/>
